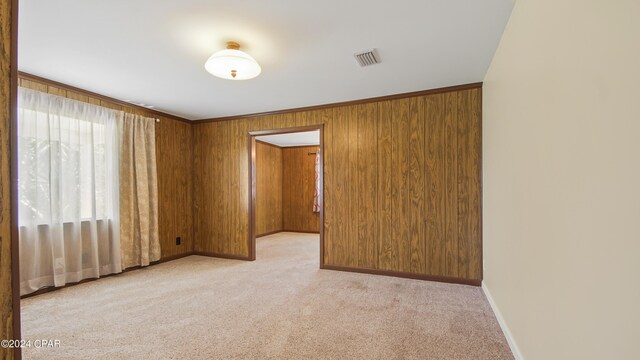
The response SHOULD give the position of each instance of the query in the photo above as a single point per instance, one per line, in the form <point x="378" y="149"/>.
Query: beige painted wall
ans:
<point x="562" y="178"/>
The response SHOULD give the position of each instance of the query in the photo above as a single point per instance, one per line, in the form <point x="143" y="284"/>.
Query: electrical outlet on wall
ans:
<point x="178" y="240"/>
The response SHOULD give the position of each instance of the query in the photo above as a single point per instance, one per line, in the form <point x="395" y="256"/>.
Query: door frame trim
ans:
<point x="251" y="136"/>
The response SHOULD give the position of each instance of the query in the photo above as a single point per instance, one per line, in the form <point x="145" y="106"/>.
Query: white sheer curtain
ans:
<point x="68" y="190"/>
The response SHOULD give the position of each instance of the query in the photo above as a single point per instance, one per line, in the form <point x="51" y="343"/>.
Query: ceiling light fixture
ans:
<point x="232" y="64"/>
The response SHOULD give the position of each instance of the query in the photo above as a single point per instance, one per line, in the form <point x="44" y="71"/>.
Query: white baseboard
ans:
<point x="503" y="325"/>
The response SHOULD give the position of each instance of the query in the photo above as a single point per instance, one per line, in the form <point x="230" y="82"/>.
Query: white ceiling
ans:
<point x="153" y="51"/>
<point x="292" y="139"/>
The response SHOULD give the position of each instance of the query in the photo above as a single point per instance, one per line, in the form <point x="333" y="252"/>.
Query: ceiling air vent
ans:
<point x="366" y="58"/>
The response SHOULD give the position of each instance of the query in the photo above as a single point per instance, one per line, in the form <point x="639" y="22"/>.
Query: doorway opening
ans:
<point x="286" y="187"/>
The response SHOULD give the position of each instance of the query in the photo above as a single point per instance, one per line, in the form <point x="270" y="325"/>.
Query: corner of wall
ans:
<point x="503" y="324"/>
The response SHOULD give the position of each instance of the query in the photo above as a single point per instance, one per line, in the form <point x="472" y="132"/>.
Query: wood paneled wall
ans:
<point x="174" y="154"/>
<point x="221" y="192"/>
<point x="298" y="187"/>
<point x="401" y="184"/>
<point x="285" y="182"/>
<point x="6" y="293"/>
<point x="269" y="180"/>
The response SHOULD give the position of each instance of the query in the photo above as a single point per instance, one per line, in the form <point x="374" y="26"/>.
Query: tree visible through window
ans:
<point x="68" y="183"/>
<point x="70" y="157"/>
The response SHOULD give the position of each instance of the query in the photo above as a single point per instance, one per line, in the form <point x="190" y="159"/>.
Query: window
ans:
<point x="66" y="153"/>
<point x="68" y="181"/>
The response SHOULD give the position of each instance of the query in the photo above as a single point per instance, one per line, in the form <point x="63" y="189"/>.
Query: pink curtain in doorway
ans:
<point x="316" y="194"/>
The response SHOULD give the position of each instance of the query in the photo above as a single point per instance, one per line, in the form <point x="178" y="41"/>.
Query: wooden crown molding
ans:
<point x="477" y="85"/>
<point x="27" y="76"/>
<point x="268" y="144"/>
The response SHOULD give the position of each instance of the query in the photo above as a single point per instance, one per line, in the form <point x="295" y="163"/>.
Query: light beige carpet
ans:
<point x="281" y="307"/>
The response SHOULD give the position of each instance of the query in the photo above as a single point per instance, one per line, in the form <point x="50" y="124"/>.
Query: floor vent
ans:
<point x="367" y="58"/>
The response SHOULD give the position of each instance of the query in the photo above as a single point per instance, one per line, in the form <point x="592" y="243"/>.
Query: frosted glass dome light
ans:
<point x="232" y="64"/>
